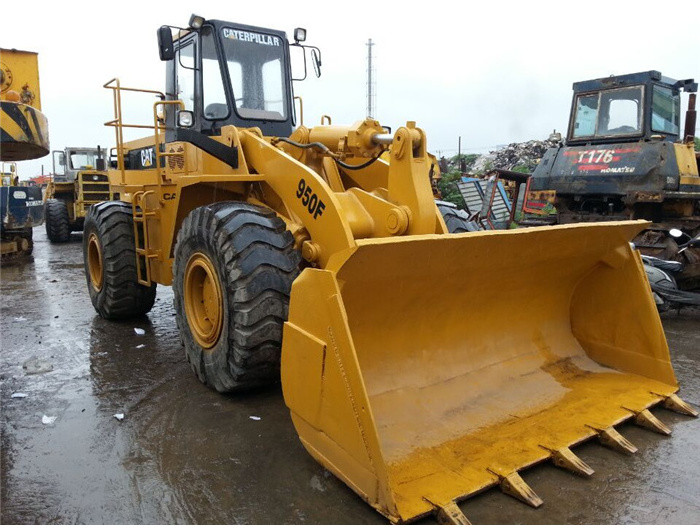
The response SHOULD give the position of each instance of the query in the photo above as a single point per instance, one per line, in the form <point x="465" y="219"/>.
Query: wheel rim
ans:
<point x="204" y="305"/>
<point x="95" y="262"/>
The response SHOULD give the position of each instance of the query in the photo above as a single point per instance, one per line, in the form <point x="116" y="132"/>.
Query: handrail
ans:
<point x="118" y="124"/>
<point x="301" y="110"/>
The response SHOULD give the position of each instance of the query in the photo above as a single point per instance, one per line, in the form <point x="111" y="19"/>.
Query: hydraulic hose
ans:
<point x="327" y="151"/>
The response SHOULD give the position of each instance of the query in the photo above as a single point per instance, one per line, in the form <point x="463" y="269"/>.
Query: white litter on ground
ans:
<point x="255" y="418"/>
<point x="118" y="417"/>
<point x="19" y="395"/>
<point x="48" y="420"/>
<point x="139" y="331"/>
<point x="20" y="319"/>
<point x="141" y="346"/>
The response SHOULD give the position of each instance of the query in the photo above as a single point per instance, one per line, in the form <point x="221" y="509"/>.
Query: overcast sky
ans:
<point x="491" y="72"/>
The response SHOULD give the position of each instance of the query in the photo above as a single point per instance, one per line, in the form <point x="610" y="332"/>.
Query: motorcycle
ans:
<point x="660" y="273"/>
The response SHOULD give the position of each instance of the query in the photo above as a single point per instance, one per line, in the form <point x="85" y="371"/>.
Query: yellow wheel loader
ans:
<point x="319" y="254"/>
<point x="79" y="180"/>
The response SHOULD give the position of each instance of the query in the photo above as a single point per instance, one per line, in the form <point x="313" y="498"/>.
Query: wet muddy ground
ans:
<point x="184" y="454"/>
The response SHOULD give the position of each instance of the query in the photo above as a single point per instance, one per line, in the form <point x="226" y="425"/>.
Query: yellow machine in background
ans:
<point x="79" y="180"/>
<point x="323" y="248"/>
<point x="25" y="132"/>
<point x="24" y="136"/>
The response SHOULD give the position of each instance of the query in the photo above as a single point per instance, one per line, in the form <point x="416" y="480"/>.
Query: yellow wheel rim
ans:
<point x="204" y="304"/>
<point x="94" y="253"/>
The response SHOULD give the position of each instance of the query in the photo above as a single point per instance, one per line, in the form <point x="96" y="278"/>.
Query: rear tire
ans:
<point x="28" y="237"/>
<point x="57" y="220"/>
<point x="457" y="220"/>
<point x="233" y="272"/>
<point x="109" y="254"/>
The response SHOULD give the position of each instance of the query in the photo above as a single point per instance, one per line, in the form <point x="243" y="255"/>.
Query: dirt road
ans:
<point x="184" y="454"/>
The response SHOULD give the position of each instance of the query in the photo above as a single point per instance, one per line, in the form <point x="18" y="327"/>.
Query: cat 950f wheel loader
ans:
<point x="321" y="251"/>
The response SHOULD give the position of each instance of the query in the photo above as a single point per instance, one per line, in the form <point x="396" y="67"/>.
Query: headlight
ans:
<point x="300" y="34"/>
<point x="185" y="119"/>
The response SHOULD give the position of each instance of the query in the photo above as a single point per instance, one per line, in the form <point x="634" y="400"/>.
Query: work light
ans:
<point x="299" y="34"/>
<point x="196" y="21"/>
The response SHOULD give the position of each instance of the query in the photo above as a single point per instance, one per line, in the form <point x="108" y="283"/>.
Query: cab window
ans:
<point x="665" y="110"/>
<point x="586" y="115"/>
<point x="621" y="112"/>
<point x="185" y="75"/>
<point x="609" y="113"/>
<point x="213" y="94"/>
<point x="256" y="68"/>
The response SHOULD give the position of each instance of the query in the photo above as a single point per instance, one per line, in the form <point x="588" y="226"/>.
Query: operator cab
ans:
<point x="228" y="74"/>
<point x="67" y="163"/>
<point x="627" y="108"/>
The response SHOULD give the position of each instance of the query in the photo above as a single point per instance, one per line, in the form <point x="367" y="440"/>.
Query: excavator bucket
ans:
<point x="428" y="368"/>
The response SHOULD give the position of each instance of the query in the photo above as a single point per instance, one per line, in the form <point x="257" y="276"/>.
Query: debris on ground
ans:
<point x="118" y="417"/>
<point x="49" y="420"/>
<point x="141" y="346"/>
<point x="35" y="365"/>
<point x="255" y="418"/>
<point x="317" y="484"/>
<point x="19" y="395"/>
<point x="139" y="331"/>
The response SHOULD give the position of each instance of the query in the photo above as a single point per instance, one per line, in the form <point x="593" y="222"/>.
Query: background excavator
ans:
<point x="24" y="136"/>
<point x="626" y="156"/>
<point x="318" y="255"/>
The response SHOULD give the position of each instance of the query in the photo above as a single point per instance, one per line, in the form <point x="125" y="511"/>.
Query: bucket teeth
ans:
<point x="676" y="404"/>
<point x="611" y="438"/>
<point x="564" y="458"/>
<point x="450" y="514"/>
<point x="646" y="419"/>
<point x="515" y="486"/>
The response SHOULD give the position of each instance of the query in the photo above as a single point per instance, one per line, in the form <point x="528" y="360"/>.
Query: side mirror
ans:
<point x="316" y="59"/>
<point x="166" y="50"/>
<point x="100" y="161"/>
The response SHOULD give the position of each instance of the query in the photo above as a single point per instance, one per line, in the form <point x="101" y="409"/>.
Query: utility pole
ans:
<point x="371" y="82"/>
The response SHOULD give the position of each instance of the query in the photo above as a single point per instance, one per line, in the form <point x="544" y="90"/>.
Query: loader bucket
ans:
<point x="429" y="368"/>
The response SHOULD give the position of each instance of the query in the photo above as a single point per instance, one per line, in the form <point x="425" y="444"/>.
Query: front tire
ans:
<point x="109" y="255"/>
<point x="57" y="221"/>
<point x="233" y="271"/>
